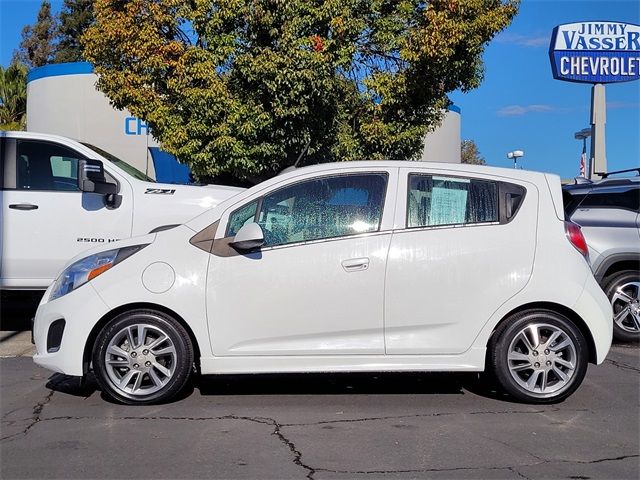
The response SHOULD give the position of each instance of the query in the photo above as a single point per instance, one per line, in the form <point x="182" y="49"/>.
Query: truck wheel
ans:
<point x="142" y="357"/>
<point x="623" y="290"/>
<point x="539" y="356"/>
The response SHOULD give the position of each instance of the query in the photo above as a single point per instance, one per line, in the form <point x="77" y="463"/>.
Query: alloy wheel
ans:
<point x="140" y="359"/>
<point x="626" y="307"/>
<point x="542" y="359"/>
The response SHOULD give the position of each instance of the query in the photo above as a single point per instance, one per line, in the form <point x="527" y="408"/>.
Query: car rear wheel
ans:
<point x="539" y="356"/>
<point x="623" y="290"/>
<point x="142" y="357"/>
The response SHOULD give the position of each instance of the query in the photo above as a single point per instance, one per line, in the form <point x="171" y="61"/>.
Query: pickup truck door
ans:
<point x="46" y="220"/>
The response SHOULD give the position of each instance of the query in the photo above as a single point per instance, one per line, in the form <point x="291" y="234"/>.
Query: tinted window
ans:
<point x="435" y="200"/>
<point x="323" y="208"/>
<point x="46" y="166"/>
<point x="627" y="199"/>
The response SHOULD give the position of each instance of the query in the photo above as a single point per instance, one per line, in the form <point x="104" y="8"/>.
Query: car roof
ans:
<point x="34" y="136"/>
<point x="588" y="186"/>
<point x="443" y="167"/>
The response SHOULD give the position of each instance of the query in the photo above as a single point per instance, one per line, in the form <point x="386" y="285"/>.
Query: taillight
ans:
<point x="575" y="236"/>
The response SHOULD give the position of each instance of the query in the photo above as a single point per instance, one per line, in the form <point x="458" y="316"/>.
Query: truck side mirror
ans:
<point x="91" y="178"/>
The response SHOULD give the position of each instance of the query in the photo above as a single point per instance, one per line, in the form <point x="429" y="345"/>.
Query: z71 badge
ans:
<point x="159" y="191"/>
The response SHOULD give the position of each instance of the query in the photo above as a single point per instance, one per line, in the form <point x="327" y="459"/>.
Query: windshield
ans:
<point x="121" y="164"/>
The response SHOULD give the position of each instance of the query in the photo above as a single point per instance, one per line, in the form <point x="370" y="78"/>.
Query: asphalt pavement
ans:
<point x="442" y="426"/>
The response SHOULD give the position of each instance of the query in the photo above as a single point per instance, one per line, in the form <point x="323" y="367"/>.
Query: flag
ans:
<point x="583" y="161"/>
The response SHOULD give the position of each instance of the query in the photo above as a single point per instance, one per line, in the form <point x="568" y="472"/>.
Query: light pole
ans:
<point x="583" y="135"/>
<point x="515" y="155"/>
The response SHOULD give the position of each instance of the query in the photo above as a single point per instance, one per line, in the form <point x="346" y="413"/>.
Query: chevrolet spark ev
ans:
<point x="358" y="266"/>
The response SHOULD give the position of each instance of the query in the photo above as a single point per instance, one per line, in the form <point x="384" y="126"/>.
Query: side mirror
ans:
<point x="249" y="237"/>
<point x="91" y="178"/>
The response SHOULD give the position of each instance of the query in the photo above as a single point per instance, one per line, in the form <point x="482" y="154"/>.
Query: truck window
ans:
<point x="121" y="164"/>
<point x="46" y="166"/>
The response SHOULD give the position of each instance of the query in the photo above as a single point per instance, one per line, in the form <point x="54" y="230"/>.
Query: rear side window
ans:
<point x="628" y="199"/>
<point x="438" y="200"/>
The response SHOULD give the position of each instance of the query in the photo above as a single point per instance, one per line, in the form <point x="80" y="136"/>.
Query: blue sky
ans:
<point x="519" y="105"/>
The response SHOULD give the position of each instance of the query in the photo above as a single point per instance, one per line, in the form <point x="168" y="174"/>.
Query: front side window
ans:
<point x="438" y="200"/>
<point x="316" y="209"/>
<point x="46" y="166"/>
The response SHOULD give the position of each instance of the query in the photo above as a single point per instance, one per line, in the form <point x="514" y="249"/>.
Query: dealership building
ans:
<point x="62" y="100"/>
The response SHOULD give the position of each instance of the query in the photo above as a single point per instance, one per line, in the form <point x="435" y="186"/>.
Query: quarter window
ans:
<point x="439" y="200"/>
<point x="241" y="217"/>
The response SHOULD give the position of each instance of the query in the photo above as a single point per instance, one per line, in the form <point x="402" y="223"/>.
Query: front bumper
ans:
<point x="81" y="310"/>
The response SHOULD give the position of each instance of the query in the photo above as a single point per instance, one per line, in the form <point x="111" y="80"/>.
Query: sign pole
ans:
<point x="598" y="163"/>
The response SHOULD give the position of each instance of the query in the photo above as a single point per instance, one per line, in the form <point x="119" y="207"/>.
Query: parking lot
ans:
<point x="318" y="426"/>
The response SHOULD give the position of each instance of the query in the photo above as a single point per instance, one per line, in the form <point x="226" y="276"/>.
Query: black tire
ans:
<point x="177" y="363"/>
<point x="507" y="337"/>
<point x="628" y="331"/>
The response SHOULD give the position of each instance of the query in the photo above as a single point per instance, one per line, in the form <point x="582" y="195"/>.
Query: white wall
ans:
<point x="69" y="105"/>
<point x="443" y="144"/>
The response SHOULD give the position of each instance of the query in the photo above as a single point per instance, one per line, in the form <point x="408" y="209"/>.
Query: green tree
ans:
<point x="470" y="153"/>
<point x="38" y="40"/>
<point x="73" y="20"/>
<point x="13" y="97"/>
<point x="241" y="87"/>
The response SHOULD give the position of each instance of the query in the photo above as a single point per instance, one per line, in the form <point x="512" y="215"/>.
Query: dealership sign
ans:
<point x="595" y="52"/>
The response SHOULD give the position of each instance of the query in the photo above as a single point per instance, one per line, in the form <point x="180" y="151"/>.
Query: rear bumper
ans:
<point x="594" y="308"/>
<point x="81" y="310"/>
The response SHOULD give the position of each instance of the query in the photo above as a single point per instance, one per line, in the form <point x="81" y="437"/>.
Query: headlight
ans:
<point x="88" y="268"/>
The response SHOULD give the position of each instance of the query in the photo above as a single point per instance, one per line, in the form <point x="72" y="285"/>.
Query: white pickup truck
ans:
<point x="60" y="197"/>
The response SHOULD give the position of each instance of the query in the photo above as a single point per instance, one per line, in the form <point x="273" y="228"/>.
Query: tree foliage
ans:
<point x="470" y="153"/>
<point x="37" y="47"/>
<point x="73" y="20"/>
<point x="243" y="86"/>
<point x="13" y="97"/>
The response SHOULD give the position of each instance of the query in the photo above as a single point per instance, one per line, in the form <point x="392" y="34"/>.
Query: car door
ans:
<point x="456" y="255"/>
<point x="316" y="287"/>
<point x="46" y="219"/>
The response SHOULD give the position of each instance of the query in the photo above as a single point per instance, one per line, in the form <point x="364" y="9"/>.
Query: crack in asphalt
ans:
<point x="427" y="415"/>
<point x="308" y="424"/>
<point x="622" y="365"/>
<point x="518" y="473"/>
<point x="512" y="468"/>
<point x="35" y="417"/>
<point x="297" y="453"/>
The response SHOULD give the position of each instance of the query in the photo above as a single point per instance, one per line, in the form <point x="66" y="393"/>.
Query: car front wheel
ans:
<point x="142" y="357"/>
<point x="539" y="356"/>
<point x="623" y="290"/>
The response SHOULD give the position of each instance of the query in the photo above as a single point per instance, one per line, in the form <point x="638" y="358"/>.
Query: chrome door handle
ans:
<point x="23" y="206"/>
<point x="355" y="264"/>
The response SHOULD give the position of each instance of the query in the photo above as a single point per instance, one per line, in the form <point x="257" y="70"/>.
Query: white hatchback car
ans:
<point x="357" y="266"/>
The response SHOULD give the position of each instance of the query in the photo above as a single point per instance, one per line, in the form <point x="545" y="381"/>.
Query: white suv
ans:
<point x="357" y="266"/>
